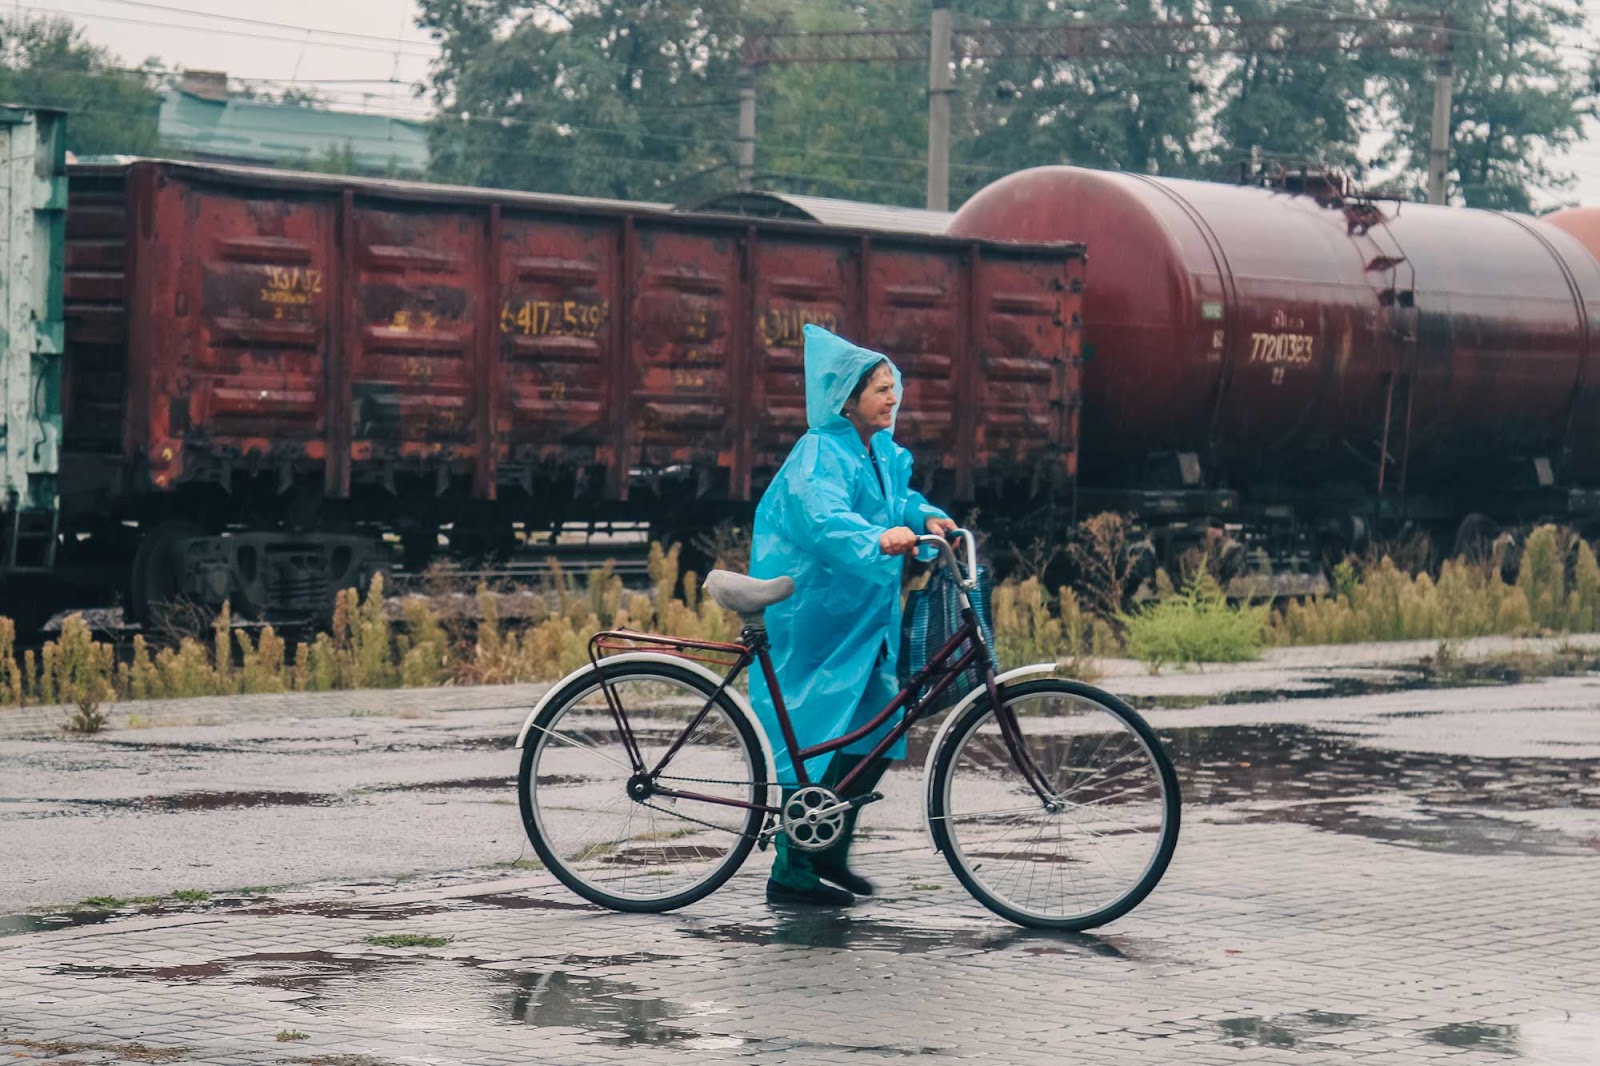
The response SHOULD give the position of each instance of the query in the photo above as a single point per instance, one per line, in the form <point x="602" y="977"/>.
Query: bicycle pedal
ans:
<point x="866" y="798"/>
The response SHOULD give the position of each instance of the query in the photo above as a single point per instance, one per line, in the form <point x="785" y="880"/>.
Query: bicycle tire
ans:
<point x="559" y="781"/>
<point x="1020" y="877"/>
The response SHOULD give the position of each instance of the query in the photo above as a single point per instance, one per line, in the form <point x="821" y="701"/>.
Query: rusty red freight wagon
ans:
<point x="267" y="370"/>
<point x="1290" y="353"/>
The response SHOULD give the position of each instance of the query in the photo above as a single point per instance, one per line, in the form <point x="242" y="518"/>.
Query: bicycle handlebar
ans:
<point x="942" y="542"/>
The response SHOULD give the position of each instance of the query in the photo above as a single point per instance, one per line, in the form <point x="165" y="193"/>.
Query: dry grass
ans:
<point x="433" y="644"/>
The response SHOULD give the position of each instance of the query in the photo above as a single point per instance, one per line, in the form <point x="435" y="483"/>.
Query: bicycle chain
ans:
<point x="691" y="818"/>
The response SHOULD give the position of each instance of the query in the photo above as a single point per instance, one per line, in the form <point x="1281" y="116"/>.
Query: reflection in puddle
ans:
<point x="1291" y="773"/>
<point x="609" y="1008"/>
<point x="1323" y="689"/>
<point x="1286" y="1030"/>
<point x="1502" y="1038"/>
<point x="834" y="931"/>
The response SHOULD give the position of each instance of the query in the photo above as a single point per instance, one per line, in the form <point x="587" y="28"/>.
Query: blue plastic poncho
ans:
<point x="836" y="640"/>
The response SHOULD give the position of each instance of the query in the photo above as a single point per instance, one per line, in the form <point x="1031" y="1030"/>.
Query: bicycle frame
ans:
<point x="965" y="649"/>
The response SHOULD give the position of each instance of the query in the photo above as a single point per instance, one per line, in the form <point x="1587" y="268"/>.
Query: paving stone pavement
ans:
<point x="1357" y="882"/>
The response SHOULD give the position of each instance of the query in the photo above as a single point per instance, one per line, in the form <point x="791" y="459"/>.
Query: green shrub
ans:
<point x="1197" y="625"/>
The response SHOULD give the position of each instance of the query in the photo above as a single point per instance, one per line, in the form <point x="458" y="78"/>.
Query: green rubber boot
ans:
<point x="795" y="868"/>
<point x="832" y="863"/>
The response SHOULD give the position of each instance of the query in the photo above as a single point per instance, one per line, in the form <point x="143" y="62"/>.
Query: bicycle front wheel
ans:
<point x="1094" y="845"/>
<point x="626" y="850"/>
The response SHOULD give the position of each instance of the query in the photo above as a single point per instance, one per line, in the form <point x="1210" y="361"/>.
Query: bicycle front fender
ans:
<point x="968" y="700"/>
<point x="739" y="702"/>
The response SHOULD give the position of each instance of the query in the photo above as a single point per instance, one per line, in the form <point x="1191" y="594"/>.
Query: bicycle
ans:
<point x="646" y="778"/>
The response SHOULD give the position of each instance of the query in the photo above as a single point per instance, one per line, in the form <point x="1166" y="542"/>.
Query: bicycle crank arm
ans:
<point x="850" y="804"/>
<point x="775" y="826"/>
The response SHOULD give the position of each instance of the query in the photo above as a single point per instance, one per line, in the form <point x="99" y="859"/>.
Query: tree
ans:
<point x="854" y="130"/>
<point x="1517" y="101"/>
<point x="46" y="62"/>
<point x="632" y="100"/>
<point x="1136" y="113"/>
<point x="1289" y="104"/>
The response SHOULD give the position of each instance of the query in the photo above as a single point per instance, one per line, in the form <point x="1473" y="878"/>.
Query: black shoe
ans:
<point x="820" y="896"/>
<point x="846" y="879"/>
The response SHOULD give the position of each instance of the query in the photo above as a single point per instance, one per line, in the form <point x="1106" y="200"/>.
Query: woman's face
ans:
<point x="874" y="410"/>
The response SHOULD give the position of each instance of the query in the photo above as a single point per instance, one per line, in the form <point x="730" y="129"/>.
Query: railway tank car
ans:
<point x="1582" y="223"/>
<point x="270" y="376"/>
<point x="1299" y="359"/>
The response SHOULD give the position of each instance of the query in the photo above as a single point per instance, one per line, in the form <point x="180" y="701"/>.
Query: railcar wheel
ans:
<point x="156" y="580"/>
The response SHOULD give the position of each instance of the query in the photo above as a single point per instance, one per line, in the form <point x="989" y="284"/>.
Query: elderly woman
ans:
<point x="835" y="517"/>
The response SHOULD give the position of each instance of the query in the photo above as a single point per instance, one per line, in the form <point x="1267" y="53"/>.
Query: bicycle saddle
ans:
<point x="747" y="595"/>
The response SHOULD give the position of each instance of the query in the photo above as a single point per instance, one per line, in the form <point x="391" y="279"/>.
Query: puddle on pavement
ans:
<point x="607" y="1008"/>
<point x="361" y="912"/>
<point x="1322" y="689"/>
<point x="511" y="901"/>
<point x="834" y="931"/>
<point x="492" y="743"/>
<point x="299" y="971"/>
<point x="211" y="801"/>
<point x="464" y="784"/>
<point x="18" y="924"/>
<point x="1286" y="1030"/>
<point x="1287" y="772"/>
<point x="1501" y="1038"/>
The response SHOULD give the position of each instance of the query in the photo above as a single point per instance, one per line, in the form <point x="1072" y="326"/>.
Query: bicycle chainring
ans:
<point x="805" y="827"/>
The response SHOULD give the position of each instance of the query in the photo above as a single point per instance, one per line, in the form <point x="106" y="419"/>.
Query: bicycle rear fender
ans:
<point x="742" y="704"/>
<point x="968" y="700"/>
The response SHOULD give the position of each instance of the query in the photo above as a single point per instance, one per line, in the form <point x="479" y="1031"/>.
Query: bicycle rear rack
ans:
<point x="617" y="641"/>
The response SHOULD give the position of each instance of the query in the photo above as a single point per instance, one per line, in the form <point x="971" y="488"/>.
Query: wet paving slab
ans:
<point x="1393" y="876"/>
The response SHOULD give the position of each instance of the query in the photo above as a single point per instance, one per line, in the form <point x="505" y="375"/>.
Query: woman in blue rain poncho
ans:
<point x="835" y="518"/>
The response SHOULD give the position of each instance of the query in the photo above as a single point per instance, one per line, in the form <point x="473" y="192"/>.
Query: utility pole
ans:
<point x="941" y="86"/>
<point x="1439" y="135"/>
<point x="747" y="128"/>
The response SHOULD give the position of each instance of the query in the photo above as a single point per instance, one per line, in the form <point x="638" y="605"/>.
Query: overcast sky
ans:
<point x="366" y="54"/>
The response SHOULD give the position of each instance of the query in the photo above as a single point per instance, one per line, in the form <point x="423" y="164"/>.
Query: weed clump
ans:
<point x="1195" y="625"/>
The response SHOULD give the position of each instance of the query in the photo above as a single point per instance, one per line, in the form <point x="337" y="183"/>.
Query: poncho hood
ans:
<point x="833" y="366"/>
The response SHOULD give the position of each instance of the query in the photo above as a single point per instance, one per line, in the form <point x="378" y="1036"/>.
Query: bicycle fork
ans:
<point x="1011" y="734"/>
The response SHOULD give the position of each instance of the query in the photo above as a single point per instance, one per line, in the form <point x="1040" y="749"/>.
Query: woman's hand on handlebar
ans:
<point x="898" y="541"/>
<point x="939" y="527"/>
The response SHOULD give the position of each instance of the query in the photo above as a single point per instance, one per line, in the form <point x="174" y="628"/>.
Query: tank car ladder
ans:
<point x="1399" y="304"/>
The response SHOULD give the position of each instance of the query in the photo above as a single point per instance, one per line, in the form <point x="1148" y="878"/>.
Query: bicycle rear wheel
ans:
<point x="626" y="851"/>
<point x="1089" y="851"/>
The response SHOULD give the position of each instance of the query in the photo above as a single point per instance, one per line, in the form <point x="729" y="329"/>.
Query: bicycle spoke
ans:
<point x="1065" y="862"/>
<point x="647" y="851"/>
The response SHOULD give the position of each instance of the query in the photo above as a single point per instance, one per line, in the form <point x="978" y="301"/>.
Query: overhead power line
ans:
<point x="1084" y="40"/>
<point x="303" y="40"/>
<point x="241" y="20"/>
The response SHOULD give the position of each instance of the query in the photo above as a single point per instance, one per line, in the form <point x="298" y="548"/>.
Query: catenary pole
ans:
<point x="941" y="84"/>
<point x="747" y="129"/>
<point x="1439" y="144"/>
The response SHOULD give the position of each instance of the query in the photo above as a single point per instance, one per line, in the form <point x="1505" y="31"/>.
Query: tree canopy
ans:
<point x="45" y="62"/>
<point x="638" y="99"/>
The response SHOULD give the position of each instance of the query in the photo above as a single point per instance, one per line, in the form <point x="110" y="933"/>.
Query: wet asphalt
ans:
<point x="1371" y="870"/>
